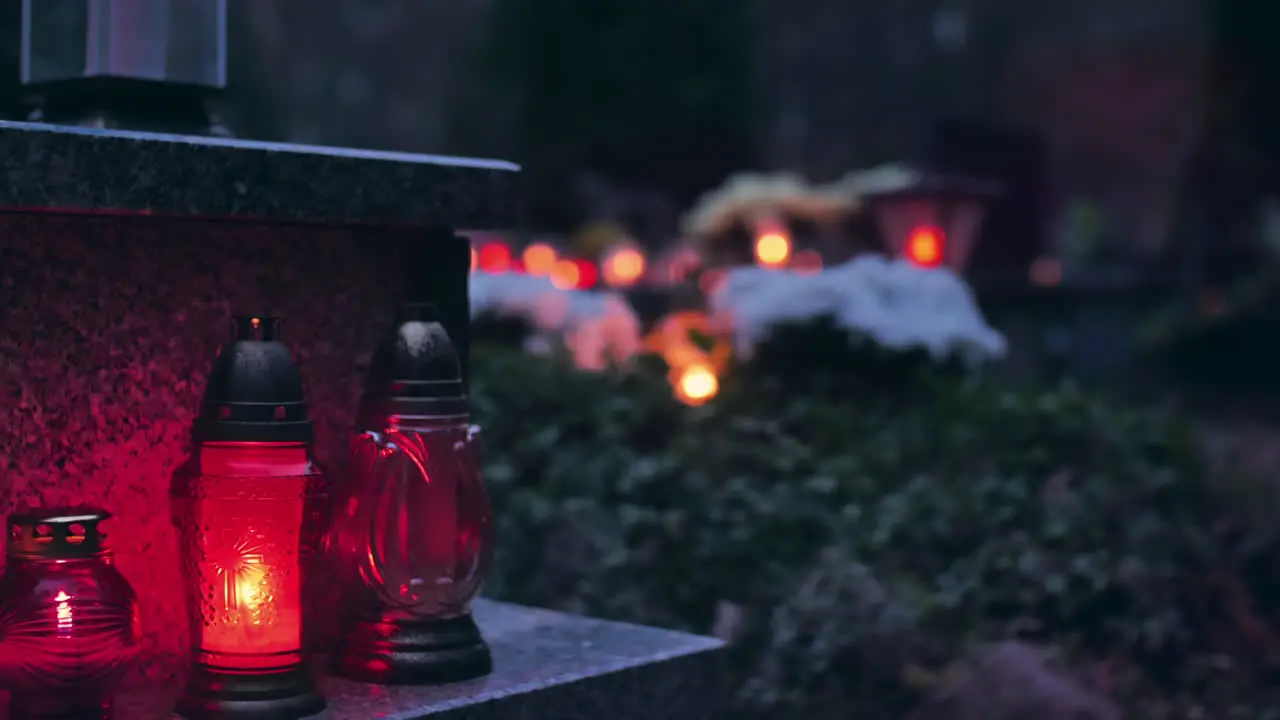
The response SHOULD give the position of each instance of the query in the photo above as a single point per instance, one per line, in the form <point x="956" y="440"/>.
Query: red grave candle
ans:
<point x="412" y="532"/>
<point x="246" y="507"/>
<point x="68" y="619"/>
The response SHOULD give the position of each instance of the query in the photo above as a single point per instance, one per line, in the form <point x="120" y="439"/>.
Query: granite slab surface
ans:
<point x="85" y="169"/>
<point x="547" y="666"/>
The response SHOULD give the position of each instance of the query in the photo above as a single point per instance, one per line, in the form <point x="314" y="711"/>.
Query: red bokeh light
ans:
<point x="588" y="275"/>
<point x="495" y="257"/>
<point x="926" y="246"/>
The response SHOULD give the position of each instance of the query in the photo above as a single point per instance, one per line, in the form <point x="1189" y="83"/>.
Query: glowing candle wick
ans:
<point x="66" y="621"/>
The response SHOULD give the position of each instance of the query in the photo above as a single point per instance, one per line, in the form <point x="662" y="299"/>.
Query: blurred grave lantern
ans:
<point x="930" y="219"/>
<point x="132" y="64"/>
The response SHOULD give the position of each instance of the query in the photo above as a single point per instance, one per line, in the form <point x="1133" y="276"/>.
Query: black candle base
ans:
<point x="43" y="707"/>
<point x="213" y="694"/>
<point x="391" y="652"/>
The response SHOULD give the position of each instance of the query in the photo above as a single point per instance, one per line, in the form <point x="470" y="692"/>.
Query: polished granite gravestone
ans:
<point x="547" y="666"/>
<point x="123" y="256"/>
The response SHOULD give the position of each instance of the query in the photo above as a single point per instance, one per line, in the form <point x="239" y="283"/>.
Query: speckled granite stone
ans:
<point x="44" y="166"/>
<point x="116" y="288"/>
<point x="108" y="327"/>
<point x="547" y="666"/>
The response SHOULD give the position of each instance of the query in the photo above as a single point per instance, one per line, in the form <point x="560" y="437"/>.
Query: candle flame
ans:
<point x="66" y="619"/>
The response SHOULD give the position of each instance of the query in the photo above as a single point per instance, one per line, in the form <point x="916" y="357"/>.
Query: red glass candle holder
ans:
<point x="68" y="618"/>
<point x="244" y="505"/>
<point x="412" y="533"/>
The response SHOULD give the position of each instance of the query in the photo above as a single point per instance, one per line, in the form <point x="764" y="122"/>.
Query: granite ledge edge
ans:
<point x="266" y="146"/>
<point x="712" y="648"/>
<point x="711" y="658"/>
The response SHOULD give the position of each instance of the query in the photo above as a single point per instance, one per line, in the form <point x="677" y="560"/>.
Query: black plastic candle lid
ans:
<point x="254" y="392"/>
<point x="415" y="370"/>
<point x="57" y="533"/>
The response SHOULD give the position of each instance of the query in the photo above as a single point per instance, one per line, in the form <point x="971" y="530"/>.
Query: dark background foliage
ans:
<point x="858" y="546"/>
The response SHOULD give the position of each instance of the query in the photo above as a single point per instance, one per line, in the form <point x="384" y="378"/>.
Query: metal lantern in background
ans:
<point x="249" y="506"/>
<point x="930" y="219"/>
<point x="68" y="618"/>
<point x="131" y="64"/>
<point x="412" y="530"/>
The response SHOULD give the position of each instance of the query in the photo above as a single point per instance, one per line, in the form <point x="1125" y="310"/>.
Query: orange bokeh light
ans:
<point x="696" y="385"/>
<point x="773" y="249"/>
<point x="624" y="267"/>
<point x="539" y="259"/>
<point x="573" y="274"/>
<point x="475" y="260"/>
<point x="565" y="274"/>
<point x="925" y="247"/>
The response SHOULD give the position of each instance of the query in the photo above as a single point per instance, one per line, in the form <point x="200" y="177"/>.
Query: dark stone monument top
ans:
<point x="51" y="167"/>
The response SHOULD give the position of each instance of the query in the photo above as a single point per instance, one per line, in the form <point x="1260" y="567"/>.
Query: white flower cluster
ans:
<point x="596" y="327"/>
<point x="894" y="303"/>
<point x="749" y="195"/>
